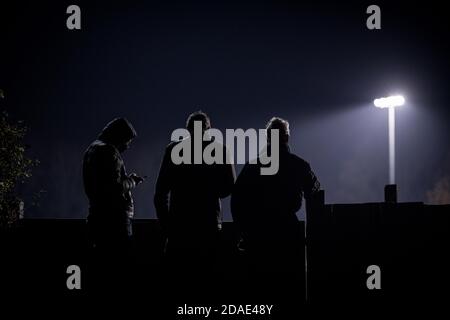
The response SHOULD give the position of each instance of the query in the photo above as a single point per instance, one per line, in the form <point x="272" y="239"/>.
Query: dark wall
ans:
<point x="408" y="241"/>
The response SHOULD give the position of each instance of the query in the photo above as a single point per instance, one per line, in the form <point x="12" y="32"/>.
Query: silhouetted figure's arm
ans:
<point x="111" y="168"/>
<point x="162" y="190"/>
<point x="228" y="177"/>
<point x="310" y="183"/>
<point x="239" y="198"/>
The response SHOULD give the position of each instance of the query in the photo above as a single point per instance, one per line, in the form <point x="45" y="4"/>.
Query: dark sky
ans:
<point x="316" y="64"/>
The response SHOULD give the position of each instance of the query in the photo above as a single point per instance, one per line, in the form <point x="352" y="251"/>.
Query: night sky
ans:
<point x="317" y="65"/>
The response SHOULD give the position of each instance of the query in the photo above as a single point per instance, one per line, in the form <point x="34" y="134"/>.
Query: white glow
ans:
<point x="389" y="102"/>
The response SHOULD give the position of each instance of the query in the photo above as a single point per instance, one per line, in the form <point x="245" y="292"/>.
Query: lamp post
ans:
<point x="390" y="103"/>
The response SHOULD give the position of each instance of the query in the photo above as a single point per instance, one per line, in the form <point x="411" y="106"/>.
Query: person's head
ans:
<point x="119" y="132"/>
<point x="198" y="116"/>
<point x="283" y="129"/>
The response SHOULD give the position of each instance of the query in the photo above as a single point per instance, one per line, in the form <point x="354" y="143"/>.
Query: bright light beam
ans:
<point x="391" y="103"/>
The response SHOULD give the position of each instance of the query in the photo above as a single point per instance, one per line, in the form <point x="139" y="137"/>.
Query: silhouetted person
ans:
<point x="188" y="206"/>
<point x="108" y="188"/>
<point x="264" y="208"/>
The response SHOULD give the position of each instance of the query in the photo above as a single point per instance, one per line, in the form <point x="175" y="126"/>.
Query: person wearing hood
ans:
<point x="108" y="186"/>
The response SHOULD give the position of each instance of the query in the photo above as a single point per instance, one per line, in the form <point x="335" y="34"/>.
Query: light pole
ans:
<point x="391" y="103"/>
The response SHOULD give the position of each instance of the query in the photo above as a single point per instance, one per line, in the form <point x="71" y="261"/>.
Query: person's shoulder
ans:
<point x="101" y="148"/>
<point x="299" y="161"/>
<point x="172" y="144"/>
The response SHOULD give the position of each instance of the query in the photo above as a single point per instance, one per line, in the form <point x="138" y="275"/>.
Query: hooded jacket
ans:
<point x="106" y="182"/>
